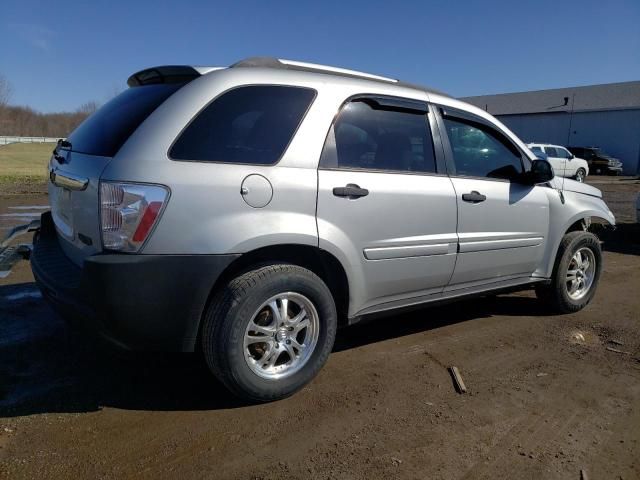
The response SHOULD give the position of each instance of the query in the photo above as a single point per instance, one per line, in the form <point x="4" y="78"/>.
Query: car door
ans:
<point x="502" y="224"/>
<point x="386" y="208"/>
<point x="569" y="167"/>
<point x="558" y="164"/>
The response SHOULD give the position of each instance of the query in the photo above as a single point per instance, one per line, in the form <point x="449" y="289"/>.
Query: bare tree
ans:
<point x="5" y="90"/>
<point x="88" y="108"/>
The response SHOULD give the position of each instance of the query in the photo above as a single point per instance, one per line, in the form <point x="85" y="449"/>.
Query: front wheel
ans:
<point x="269" y="331"/>
<point x="580" y="175"/>
<point x="575" y="274"/>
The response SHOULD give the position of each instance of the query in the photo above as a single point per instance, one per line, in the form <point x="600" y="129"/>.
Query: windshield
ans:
<point x="104" y="132"/>
<point x="601" y="153"/>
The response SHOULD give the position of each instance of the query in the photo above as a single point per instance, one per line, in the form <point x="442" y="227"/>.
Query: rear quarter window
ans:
<point x="104" y="132"/>
<point x="248" y="125"/>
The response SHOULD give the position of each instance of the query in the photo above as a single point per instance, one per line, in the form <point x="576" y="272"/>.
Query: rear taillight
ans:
<point x="128" y="213"/>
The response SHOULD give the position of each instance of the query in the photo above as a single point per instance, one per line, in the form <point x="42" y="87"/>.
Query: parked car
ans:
<point x="638" y="208"/>
<point x="599" y="161"/>
<point x="247" y="212"/>
<point x="564" y="163"/>
<point x="540" y="155"/>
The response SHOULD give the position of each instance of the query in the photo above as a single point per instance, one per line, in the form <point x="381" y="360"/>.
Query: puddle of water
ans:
<point x="30" y="207"/>
<point x="22" y="295"/>
<point x="20" y="215"/>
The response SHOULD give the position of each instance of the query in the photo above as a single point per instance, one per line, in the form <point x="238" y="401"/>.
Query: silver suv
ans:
<point x="249" y="211"/>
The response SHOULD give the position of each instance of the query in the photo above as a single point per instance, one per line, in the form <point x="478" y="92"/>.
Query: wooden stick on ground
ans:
<point x="457" y="379"/>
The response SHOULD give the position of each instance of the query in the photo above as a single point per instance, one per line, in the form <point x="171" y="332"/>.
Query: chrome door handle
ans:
<point x="67" y="180"/>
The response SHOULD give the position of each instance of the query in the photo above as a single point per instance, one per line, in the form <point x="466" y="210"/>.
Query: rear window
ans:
<point x="104" y="132"/>
<point x="249" y="125"/>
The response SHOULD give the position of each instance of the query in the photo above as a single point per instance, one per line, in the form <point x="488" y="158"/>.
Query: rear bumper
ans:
<point x="140" y="302"/>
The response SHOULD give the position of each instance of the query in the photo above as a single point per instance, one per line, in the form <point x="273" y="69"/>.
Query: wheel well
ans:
<point x="579" y="226"/>
<point x="589" y="224"/>
<point x="319" y="261"/>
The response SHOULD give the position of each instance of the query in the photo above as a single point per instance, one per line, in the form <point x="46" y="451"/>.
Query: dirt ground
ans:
<point x="546" y="397"/>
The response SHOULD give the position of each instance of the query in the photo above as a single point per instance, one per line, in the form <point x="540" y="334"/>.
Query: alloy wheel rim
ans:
<point x="281" y="336"/>
<point x="580" y="176"/>
<point x="580" y="273"/>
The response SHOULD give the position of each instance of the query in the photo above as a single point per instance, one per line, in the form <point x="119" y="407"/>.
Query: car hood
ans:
<point x="576" y="187"/>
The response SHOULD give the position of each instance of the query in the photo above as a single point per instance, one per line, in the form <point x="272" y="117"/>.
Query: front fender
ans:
<point x="563" y="216"/>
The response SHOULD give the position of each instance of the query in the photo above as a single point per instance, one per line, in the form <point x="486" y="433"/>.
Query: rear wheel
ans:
<point x="575" y="273"/>
<point x="269" y="331"/>
<point x="580" y="174"/>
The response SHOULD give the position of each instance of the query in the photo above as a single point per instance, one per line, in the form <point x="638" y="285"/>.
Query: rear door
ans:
<point x="502" y="224"/>
<point x="386" y="207"/>
<point x="76" y="167"/>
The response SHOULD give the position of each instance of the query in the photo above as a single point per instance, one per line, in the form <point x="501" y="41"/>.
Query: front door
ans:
<point x="384" y="209"/>
<point x="502" y="224"/>
<point x="557" y="161"/>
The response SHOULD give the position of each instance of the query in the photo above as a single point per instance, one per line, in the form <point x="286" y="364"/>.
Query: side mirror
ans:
<point x="541" y="172"/>
<point x="571" y="156"/>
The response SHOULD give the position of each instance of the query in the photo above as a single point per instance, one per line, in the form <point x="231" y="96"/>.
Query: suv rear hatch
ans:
<point x="77" y="163"/>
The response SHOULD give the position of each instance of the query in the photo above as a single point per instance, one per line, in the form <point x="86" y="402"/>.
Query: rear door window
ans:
<point x="371" y="137"/>
<point x="551" y="151"/>
<point x="104" y="132"/>
<point x="248" y="125"/>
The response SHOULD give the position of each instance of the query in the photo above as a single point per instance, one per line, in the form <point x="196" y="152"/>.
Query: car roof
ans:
<point x="183" y="73"/>
<point x="535" y="144"/>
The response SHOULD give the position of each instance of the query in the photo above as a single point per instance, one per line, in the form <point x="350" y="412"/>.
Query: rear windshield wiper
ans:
<point x="61" y="144"/>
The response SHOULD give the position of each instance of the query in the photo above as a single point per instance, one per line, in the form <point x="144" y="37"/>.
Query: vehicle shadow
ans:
<point x="46" y="367"/>
<point x="625" y="238"/>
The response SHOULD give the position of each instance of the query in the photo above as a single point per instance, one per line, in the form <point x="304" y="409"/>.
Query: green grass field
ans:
<point x="24" y="165"/>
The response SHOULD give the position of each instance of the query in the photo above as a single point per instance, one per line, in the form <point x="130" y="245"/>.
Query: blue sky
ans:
<point x="58" y="55"/>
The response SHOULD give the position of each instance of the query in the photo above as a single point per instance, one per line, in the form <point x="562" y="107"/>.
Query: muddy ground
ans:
<point x="546" y="398"/>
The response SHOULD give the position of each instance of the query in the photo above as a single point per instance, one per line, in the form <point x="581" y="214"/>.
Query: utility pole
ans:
<point x="573" y="99"/>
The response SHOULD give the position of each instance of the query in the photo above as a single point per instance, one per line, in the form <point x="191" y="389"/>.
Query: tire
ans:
<point x="558" y="294"/>
<point x="580" y="175"/>
<point x="598" y="171"/>
<point x="246" y="311"/>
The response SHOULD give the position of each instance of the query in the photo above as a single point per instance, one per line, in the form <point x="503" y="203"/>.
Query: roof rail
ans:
<point x="271" y="62"/>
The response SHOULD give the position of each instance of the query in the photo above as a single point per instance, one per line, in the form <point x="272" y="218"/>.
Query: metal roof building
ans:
<point x="607" y="116"/>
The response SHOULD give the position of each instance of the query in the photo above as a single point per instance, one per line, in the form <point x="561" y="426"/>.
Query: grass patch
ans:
<point x="23" y="166"/>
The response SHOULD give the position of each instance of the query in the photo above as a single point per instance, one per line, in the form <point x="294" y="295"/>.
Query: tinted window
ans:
<point x="245" y="125"/>
<point x="551" y="151"/>
<point x="104" y="132"/>
<point x="536" y="149"/>
<point x="372" y="138"/>
<point x="562" y="153"/>
<point x="576" y="151"/>
<point x="479" y="151"/>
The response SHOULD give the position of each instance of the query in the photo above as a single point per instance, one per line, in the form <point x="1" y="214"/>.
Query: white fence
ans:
<point x="8" y="140"/>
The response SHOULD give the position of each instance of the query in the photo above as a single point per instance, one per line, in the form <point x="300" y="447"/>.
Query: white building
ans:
<point x="605" y="116"/>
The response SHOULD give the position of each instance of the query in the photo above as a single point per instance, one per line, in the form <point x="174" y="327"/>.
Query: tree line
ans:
<point x="27" y="122"/>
